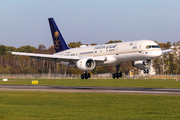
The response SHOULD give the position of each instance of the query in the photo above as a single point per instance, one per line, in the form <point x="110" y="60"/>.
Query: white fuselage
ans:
<point x="117" y="52"/>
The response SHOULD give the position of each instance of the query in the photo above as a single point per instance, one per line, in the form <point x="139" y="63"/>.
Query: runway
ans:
<point x="81" y="89"/>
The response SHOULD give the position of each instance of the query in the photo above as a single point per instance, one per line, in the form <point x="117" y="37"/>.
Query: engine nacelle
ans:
<point x="142" y="64"/>
<point x="86" y="64"/>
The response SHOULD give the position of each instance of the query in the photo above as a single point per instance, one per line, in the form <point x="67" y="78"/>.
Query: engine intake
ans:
<point x="86" y="64"/>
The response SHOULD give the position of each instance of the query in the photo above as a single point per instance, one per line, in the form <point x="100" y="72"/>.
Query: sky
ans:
<point x="25" y="22"/>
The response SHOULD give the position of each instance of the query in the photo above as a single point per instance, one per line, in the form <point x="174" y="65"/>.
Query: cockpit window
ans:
<point x="152" y="46"/>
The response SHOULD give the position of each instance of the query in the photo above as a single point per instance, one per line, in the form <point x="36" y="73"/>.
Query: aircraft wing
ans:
<point x="56" y="58"/>
<point x="167" y="50"/>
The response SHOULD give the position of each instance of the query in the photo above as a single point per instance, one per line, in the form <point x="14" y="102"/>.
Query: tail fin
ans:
<point x="59" y="43"/>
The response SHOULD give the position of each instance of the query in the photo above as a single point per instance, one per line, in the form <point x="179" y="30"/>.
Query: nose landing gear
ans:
<point x="146" y="71"/>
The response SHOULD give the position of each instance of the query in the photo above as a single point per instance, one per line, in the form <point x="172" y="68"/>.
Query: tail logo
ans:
<point x="56" y="35"/>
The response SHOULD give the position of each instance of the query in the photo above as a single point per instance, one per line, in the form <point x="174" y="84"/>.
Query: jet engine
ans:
<point x="86" y="64"/>
<point x="142" y="64"/>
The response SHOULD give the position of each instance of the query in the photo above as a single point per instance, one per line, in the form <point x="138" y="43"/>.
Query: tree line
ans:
<point x="11" y="64"/>
<point x="168" y="63"/>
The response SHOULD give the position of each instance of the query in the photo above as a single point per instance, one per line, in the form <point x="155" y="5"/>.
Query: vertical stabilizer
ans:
<point x="59" y="43"/>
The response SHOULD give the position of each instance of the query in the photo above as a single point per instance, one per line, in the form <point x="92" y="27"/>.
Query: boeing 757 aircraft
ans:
<point x="87" y="58"/>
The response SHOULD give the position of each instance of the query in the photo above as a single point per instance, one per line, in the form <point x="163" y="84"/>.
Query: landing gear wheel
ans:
<point x="82" y="76"/>
<point x="117" y="75"/>
<point x="85" y="76"/>
<point x="120" y="74"/>
<point x="113" y="76"/>
<point x="88" y="75"/>
<point x="147" y="71"/>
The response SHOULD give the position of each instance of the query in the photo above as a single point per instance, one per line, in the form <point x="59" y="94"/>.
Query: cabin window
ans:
<point x="154" y="46"/>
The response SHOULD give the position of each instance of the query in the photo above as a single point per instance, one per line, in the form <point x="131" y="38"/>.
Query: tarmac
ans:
<point x="84" y="89"/>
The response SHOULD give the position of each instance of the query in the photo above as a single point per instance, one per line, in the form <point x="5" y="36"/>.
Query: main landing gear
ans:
<point x="85" y="75"/>
<point x="117" y="75"/>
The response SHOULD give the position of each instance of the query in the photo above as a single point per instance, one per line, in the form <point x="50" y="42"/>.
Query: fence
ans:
<point x="54" y="76"/>
<point x="93" y="76"/>
<point x="43" y="76"/>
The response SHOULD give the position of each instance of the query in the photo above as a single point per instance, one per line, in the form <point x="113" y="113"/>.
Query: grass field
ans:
<point x="146" y="83"/>
<point x="91" y="106"/>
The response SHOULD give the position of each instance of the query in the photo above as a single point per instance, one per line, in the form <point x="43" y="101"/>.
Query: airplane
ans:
<point x="140" y="52"/>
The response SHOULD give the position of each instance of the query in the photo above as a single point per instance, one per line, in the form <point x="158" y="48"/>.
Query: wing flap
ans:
<point x="47" y="56"/>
